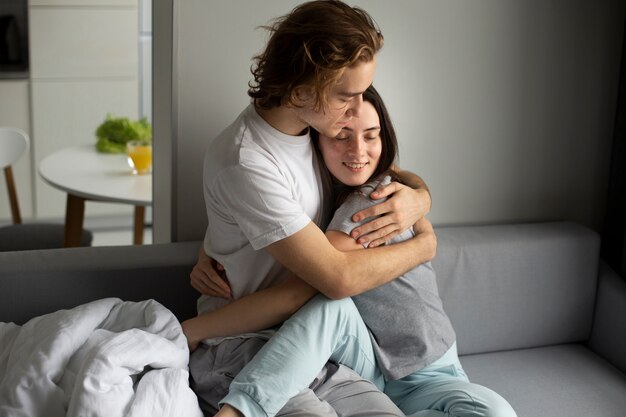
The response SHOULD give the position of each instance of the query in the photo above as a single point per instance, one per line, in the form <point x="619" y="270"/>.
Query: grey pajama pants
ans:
<point x="336" y="391"/>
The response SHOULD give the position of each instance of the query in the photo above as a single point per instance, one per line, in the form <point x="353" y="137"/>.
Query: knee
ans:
<point x="343" y="309"/>
<point x="499" y="407"/>
<point x="476" y="400"/>
<point x="492" y="404"/>
<point x="329" y="312"/>
<point x="325" y="305"/>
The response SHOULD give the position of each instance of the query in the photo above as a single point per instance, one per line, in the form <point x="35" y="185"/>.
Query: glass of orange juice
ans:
<point x="139" y="156"/>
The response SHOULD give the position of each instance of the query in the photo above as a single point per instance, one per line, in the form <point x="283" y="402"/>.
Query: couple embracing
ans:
<point x="313" y="228"/>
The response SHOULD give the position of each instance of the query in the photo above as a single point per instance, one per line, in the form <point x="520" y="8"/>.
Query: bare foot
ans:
<point x="228" y="411"/>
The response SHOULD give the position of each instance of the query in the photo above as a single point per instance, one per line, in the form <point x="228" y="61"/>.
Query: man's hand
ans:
<point x="208" y="277"/>
<point x="404" y="207"/>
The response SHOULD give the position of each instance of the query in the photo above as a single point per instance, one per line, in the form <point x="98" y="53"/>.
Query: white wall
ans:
<point x="505" y="108"/>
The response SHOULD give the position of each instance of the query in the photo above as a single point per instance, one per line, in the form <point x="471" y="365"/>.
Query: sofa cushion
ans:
<point x="556" y="381"/>
<point x="518" y="286"/>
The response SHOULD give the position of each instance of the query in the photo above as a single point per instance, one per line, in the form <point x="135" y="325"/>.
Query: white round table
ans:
<point x="85" y="174"/>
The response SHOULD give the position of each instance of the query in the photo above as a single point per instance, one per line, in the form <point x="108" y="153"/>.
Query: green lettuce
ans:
<point x="114" y="132"/>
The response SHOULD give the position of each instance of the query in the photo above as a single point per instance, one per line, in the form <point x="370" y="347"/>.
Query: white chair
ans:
<point x="18" y="236"/>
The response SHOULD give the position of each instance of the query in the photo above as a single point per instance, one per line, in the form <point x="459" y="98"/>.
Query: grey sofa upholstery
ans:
<point x="539" y="318"/>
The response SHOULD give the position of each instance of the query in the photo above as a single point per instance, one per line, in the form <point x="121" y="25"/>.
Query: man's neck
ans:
<point x="284" y="119"/>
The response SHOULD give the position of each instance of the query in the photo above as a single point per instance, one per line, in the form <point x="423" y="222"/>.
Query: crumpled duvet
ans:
<point x="105" y="358"/>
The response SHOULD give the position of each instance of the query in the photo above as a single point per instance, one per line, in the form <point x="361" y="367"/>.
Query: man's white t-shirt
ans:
<point x="260" y="186"/>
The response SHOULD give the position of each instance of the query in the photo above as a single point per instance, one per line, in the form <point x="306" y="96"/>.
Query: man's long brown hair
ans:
<point x="312" y="46"/>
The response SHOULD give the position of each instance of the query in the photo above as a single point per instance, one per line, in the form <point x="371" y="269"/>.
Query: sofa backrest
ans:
<point x="38" y="282"/>
<point x="504" y="287"/>
<point x="518" y="286"/>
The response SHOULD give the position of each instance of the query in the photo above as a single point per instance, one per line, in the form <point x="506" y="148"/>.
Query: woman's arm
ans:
<point x="254" y="312"/>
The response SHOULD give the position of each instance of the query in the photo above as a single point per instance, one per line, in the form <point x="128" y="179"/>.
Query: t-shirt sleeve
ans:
<point x="356" y="201"/>
<point x="342" y="218"/>
<point x="260" y="200"/>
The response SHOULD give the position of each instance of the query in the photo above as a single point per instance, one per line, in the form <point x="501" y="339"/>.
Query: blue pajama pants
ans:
<point x="333" y="330"/>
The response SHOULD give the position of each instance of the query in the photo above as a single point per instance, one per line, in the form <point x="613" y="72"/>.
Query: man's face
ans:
<point x="345" y="99"/>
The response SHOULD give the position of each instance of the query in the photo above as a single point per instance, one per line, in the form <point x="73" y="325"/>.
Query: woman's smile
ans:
<point x="353" y="155"/>
<point x="356" y="166"/>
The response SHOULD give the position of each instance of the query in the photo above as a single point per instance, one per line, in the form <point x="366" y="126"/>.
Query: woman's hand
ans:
<point x="404" y="207"/>
<point x="209" y="278"/>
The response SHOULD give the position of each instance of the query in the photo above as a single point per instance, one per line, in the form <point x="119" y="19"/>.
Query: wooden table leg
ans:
<point x="139" y="219"/>
<point x="15" y="207"/>
<point x="74" y="216"/>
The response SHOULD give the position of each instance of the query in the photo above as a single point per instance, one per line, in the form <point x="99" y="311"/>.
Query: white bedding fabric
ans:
<point x="105" y="358"/>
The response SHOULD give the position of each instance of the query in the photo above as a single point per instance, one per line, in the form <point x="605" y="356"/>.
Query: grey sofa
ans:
<point x="539" y="318"/>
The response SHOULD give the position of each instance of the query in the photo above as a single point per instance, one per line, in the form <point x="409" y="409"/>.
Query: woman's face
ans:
<point x="353" y="155"/>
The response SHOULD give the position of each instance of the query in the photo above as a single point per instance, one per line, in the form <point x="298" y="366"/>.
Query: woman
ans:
<point x="414" y="356"/>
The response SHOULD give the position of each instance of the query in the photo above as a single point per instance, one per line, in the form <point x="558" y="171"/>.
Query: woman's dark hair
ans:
<point x="389" y="141"/>
<point x="389" y="153"/>
<point x="312" y="46"/>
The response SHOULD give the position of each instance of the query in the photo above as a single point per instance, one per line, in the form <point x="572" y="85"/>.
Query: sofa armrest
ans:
<point x="608" y="337"/>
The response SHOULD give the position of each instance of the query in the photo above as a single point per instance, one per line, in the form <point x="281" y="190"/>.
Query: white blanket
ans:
<point x="106" y="358"/>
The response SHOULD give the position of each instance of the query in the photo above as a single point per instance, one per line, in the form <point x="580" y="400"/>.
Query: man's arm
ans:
<point x="405" y="206"/>
<point x="271" y="306"/>
<point x="336" y="274"/>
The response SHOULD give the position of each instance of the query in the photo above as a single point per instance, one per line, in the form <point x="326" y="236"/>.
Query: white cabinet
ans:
<point x="84" y="42"/>
<point x="14" y="109"/>
<point x="83" y="65"/>
<point x="61" y="3"/>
